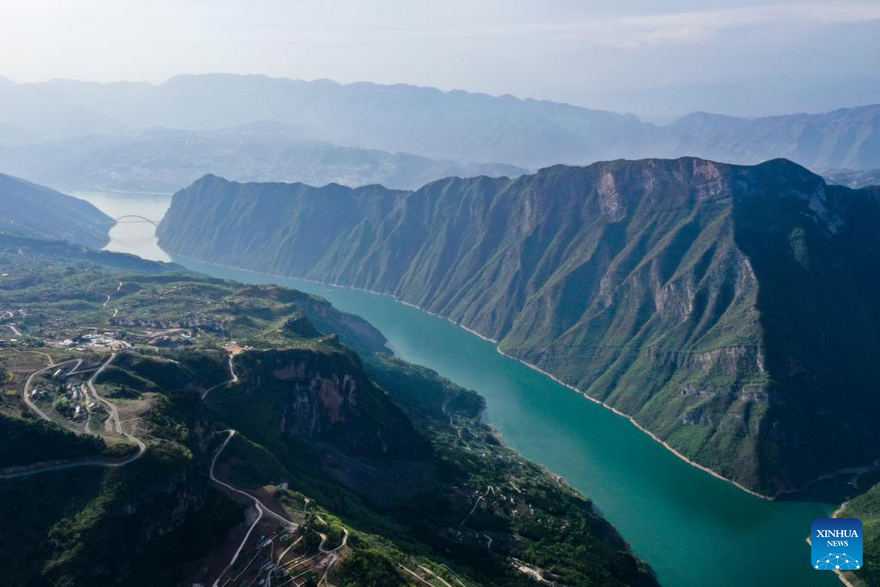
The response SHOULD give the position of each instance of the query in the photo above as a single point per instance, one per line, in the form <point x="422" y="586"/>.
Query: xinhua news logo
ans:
<point x="836" y="544"/>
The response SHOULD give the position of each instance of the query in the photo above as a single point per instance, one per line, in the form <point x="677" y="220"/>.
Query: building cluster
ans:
<point x="176" y="337"/>
<point x="105" y="341"/>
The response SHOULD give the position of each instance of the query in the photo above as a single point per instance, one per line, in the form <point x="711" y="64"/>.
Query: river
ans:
<point x="692" y="528"/>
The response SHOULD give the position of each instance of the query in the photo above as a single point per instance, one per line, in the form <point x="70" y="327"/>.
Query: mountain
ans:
<point x="164" y="160"/>
<point x="33" y="210"/>
<point x="852" y="178"/>
<point x="32" y="113"/>
<point x="229" y="417"/>
<point x="455" y="125"/>
<point x="730" y="311"/>
<point x="845" y="138"/>
<point x="449" y="126"/>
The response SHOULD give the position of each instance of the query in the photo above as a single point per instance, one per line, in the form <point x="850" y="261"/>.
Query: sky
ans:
<point x="656" y="59"/>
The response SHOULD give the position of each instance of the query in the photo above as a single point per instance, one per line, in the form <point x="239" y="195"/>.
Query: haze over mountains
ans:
<point x="592" y="298"/>
<point x="164" y="160"/>
<point x="536" y="261"/>
<point x="33" y="210"/>
<point x="718" y="305"/>
<point x="454" y="128"/>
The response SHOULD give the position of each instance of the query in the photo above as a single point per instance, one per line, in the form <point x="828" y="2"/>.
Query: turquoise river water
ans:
<point x="692" y="528"/>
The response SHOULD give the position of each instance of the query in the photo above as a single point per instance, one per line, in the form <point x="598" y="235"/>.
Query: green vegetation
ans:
<point x="715" y="304"/>
<point x="171" y="559"/>
<point x="85" y="526"/>
<point x="386" y="453"/>
<point x="368" y="568"/>
<point x="34" y="441"/>
<point x="468" y="502"/>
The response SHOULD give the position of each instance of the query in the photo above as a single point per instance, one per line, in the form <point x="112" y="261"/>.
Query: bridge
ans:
<point x="136" y="219"/>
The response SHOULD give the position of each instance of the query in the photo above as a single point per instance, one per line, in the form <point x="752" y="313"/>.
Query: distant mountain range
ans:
<point x="845" y="138"/>
<point x="732" y="311"/>
<point x="853" y="178"/>
<point x="33" y="210"/>
<point x="450" y="126"/>
<point x="164" y="160"/>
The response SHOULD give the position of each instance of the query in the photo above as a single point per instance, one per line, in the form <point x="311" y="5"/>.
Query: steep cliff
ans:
<point x="318" y="395"/>
<point x="32" y="210"/>
<point x="104" y="526"/>
<point x="731" y="311"/>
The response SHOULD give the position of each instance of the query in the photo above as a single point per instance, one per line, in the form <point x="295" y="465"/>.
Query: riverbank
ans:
<point x="555" y="379"/>
<point x="857" y="471"/>
<point x="630" y="478"/>
<point x="632" y="420"/>
<point x="640" y="427"/>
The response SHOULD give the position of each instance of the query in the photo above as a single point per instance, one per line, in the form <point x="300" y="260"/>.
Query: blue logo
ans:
<point x="836" y="544"/>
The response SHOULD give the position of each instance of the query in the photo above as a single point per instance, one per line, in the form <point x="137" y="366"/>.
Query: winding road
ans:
<point x="114" y="414"/>
<point x="261" y="509"/>
<point x="109" y="295"/>
<point x="331" y="560"/>
<point x="114" y="418"/>
<point x="233" y="379"/>
<point x="97" y="462"/>
<point x="29" y="381"/>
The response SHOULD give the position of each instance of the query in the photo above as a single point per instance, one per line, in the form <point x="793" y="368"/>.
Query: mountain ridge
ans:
<point x="163" y="160"/>
<point x="331" y="433"/>
<point x="461" y="126"/>
<point x="36" y="211"/>
<point x="655" y="286"/>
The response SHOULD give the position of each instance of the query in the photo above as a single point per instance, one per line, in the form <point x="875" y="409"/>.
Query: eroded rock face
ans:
<point x="156" y="511"/>
<point x="324" y="397"/>
<point x="610" y="199"/>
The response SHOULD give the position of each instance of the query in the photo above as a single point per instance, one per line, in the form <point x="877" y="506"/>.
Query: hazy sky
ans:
<point x="626" y="55"/>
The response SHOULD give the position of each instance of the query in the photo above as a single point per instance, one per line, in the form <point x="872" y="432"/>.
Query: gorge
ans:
<point x="693" y="296"/>
<point x="640" y="487"/>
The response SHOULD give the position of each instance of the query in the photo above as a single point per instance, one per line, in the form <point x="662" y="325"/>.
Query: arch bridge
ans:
<point x="134" y="219"/>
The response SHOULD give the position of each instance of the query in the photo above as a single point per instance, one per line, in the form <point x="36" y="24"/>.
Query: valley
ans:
<point x="440" y="294"/>
<point x="639" y="486"/>
<point x="714" y="304"/>
<point x="134" y="387"/>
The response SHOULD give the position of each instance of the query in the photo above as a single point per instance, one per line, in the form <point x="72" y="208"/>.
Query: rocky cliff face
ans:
<point x="323" y="396"/>
<point x="732" y="311"/>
